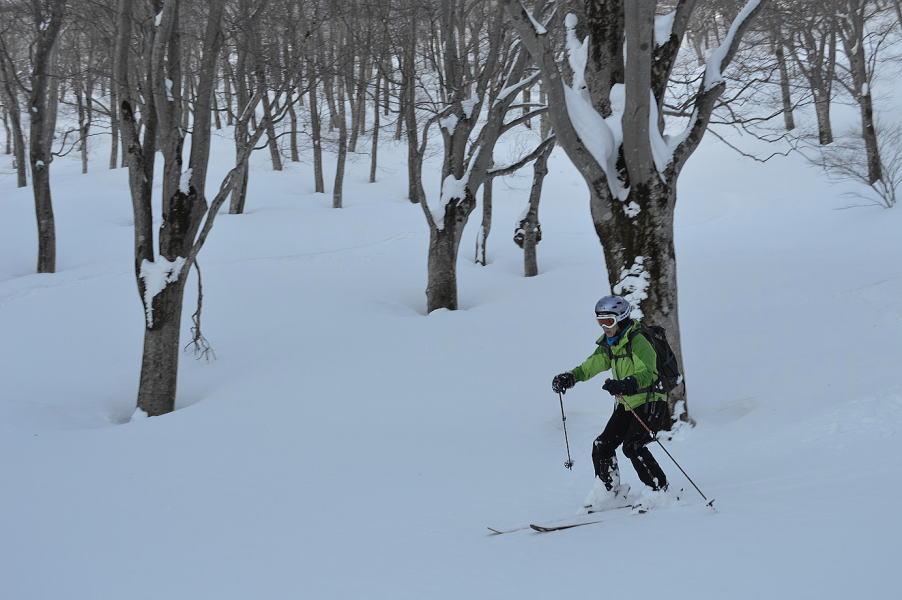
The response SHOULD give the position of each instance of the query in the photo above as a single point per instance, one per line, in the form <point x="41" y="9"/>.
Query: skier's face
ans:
<point x="608" y="324"/>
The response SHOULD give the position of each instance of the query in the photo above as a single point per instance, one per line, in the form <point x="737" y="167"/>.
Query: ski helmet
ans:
<point x="615" y="305"/>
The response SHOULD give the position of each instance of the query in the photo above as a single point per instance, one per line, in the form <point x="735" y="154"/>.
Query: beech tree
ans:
<point x="41" y="90"/>
<point x="11" y="89"/>
<point x="480" y="70"/>
<point x="609" y="120"/>
<point x="187" y="219"/>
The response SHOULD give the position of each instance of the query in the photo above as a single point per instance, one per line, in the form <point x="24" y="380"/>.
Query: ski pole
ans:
<point x="569" y="463"/>
<point x="655" y="438"/>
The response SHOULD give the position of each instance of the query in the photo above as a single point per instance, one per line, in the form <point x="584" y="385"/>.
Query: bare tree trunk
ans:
<point x="186" y="105"/>
<point x="82" y="128"/>
<point x="822" y="111"/>
<point x="158" y="382"/>
<point x="7" y="130"/>
<point x="444" y="244"/>
<point x="114" y="121"/>
<point x="274" y="153"/>
<point x="342" y="149"/>
<point x="227" y="87"/>
<point x="327" y="62"/>
<point x="402" y="113"/>
<point x="216" y="119"/>
<point x="532" y="230"/>
<point x="818" y="67"/>
<point x="852" y="32"/>
<point x="415" y="192"/>
<point x="316" y="135"/>
<point x="293" y="135"/>
<point x="869" y="134"/>
<point x="788" y="119"/>
<point x="242" y="96"/>
<point x="359" y="103"/>
<point x="386" y="93"/>
<point x="374" y="152"/>
<point x="42" y="104"/>
<point x="15" y="118"/>
<point x="482" y="239"/>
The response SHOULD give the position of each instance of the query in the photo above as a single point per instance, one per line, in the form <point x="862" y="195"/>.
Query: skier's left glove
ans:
<point x="621" y="387"/>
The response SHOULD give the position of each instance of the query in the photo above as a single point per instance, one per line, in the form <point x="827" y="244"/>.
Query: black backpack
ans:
<point x="668" y="370"/>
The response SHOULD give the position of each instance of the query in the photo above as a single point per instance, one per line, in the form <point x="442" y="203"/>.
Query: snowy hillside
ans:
<point x="346" y="445"/>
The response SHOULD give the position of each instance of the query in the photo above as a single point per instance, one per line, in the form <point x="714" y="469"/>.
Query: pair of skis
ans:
<point x="552" y="527"/>
<point x="636" y="509"/>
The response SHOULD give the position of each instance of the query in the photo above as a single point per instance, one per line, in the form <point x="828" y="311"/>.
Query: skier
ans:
<point x="632" y="360"/>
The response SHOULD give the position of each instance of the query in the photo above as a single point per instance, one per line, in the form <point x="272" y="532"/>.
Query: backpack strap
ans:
<point x="656" y="385"/>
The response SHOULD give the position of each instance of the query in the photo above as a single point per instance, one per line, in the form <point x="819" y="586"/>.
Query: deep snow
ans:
<point x="346" y="445"/>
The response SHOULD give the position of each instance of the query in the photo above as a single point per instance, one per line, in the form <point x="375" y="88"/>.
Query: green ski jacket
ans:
<point x="626" y="358"/>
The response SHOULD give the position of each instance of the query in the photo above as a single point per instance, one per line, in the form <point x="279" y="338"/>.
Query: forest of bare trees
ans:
<point x="627" y="89"/>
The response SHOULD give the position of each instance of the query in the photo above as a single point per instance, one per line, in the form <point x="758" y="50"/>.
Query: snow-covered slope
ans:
<point x="346" y="445"/>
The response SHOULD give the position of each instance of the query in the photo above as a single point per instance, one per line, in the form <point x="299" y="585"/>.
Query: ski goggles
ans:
<point x="606" y="319"/>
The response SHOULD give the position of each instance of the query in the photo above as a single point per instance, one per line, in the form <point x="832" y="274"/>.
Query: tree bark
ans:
<point x="114" y="120"/>
<point x="242" y="94"/>
<point x="42" y="111"/>
<point x="293" y="135"/>
<point x="531" y="228"/>
<point x="342" y="149"/>
<point x="157" y="387"/>
<point x="15" y="118"/>
<point x="852" y="32"/>
<point x="9" y="134"/>
<point x="316" y="138"/>
<point x="486" y="226"/>
<point x="415" y="191"/>
<point x="374" y="152"/>
<point x="272" y="141"/>
<point x="444" y="244"/>
<point x="785" y="93"/>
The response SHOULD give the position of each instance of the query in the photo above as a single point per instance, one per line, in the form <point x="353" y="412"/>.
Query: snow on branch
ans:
<point x="595" y="132"/>
<point x="537" y="27"/>
<point x="516" y="87"/>
<point x="721" y="56"/>
<point x="501" y="171"/>
<point x="664" y="28"/>
<point x="577" y="54"/>
<point x="453" y="189"/>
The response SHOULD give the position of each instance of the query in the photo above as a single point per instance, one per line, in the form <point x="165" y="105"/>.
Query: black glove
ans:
<point x="621" y="387"/>
<point x="563" y="382"/>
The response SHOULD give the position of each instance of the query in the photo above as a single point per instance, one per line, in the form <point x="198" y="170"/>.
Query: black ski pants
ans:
<point x="623" y="428"/>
